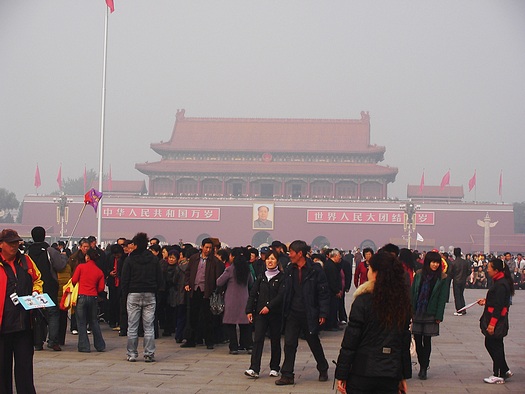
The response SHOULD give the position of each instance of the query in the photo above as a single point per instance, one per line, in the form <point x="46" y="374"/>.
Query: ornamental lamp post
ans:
<point x="409" y="219"/>
<point x="62" y="211"/>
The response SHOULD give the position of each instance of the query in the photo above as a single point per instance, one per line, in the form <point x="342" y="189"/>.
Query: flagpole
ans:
<point x="76" y="224"/>
<point x="102" y="124"/>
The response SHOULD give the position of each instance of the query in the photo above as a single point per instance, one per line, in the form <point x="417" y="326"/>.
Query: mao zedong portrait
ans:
<point x="262" y="220"/>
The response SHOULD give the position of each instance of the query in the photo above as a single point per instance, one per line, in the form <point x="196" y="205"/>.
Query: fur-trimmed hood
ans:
<point x="365" y="288"/>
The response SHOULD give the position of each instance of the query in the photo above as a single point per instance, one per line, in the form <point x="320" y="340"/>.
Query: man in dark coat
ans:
<point x="459" y="271"/>
<point x="306" y="307"/>
<point x="200" y="281"/>
<point x="332" y="269"/>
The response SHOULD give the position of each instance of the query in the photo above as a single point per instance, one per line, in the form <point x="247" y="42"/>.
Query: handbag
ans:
<point x="500" y="330"/>
<point x="217" y="302"/>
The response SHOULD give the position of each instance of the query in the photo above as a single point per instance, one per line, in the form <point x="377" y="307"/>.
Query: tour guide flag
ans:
<point x="92" y="197"/>
<point x="111" y="5"/>
<point x="420" y="238"/>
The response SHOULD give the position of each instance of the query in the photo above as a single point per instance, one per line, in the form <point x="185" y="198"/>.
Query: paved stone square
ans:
<point x="459" y="362"/>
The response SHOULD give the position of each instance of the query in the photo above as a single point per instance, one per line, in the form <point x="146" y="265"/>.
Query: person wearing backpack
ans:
<point x="48" y="261"/>
<point x="19" y="276"/>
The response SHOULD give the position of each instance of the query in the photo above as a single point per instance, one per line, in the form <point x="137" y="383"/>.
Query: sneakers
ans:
<point x="274" y="373"/>
<point x="509" y="374"/>
<point x="251" y="373"/>
<point x="74" y="332"/>
<point x="460" y="313"/>
<point x="89" y="332"/>
<point x="235" y="352"/>
<point x="323" y="376"/>
<point x="494" y="380"/>
<point x="149" y="359"/>
<point x="117" y="328"/>
<point x="284" y="381"/>
<point x="132" y="359"/>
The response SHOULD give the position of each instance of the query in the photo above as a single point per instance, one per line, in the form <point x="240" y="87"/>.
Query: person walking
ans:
<point x="429" y="295"/>
<point x="459" y="271"/>
<point x="264" y="310"/>
<point x="375" y="351"/>
<point x="90" y="281"/>
<point x="306" y="305"/>
<point x="494" y="321"/>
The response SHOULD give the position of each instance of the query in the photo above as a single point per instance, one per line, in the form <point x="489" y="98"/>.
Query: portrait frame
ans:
<point x="260" y="220"/>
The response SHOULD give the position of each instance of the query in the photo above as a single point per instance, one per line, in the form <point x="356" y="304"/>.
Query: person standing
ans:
<point x="237" y="279"/>
<point x="460" y="269"/>
<point x="306" y="305"/>
<point x="264" y="310"/>
<point x="19" y="276"/>
<point x="78" y="257"/>
<point x="494" y="321"/>
<point x="141" y="280"/>
<point x="332" y="269"/>
<point x="375" y="351"/>
<point x="360" y="275"/>
<point x="429" y="295"/>
<point x="90" y="281"/>
<point x="200" y="282"/>
<point x="49" y="261"/>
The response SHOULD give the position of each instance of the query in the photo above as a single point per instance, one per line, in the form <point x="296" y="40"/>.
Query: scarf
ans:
<point x="424" y="293"/>
<point x="271" y="273"/>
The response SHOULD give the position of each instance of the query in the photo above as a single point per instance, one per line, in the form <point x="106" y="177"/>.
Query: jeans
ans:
<point x="141" y="304"/>
<point x="87" y="308"/>
<point x="53" y="321"/>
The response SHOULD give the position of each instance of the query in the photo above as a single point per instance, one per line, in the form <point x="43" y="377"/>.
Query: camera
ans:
<point x="14" y="298"/>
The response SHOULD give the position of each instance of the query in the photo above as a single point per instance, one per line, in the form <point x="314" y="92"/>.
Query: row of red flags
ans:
<point x="445" y="181"/>
<point x="38" y="180"/>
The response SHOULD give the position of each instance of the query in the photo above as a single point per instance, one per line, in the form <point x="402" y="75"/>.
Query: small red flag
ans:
<point x="110" y="5"/>
<point x="472" y="182"/>
<point x="38" y="182"/>
<point x="59" y="177"/>
<point x="422" y="183"/>
<point x="446" y="180"/>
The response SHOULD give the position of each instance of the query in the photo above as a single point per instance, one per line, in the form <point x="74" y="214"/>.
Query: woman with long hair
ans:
<point x="494" y="321"/>
<point x="430" y="290"/>
<point x="264" y="310"/>
<point x="375" y="352"/>
<point x="237" y="278"/>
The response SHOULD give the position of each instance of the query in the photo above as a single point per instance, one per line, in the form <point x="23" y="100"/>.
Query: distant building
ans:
<point x="270" y="158"/>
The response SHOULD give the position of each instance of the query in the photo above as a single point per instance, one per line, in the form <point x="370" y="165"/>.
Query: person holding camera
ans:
<point x="19" y="276"/>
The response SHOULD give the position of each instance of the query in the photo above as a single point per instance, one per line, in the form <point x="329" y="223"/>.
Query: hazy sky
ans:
<point x="444" y="81"/>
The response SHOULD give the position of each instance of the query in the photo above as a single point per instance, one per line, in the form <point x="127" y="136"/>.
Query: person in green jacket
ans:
<point x="429" y="295"/>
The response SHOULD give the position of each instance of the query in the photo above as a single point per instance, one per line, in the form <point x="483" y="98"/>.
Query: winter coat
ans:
<point x="175" y="284"/>
<point x="214" y="269"/>
<point x="368" y="348"/>
<point x="438" y="297"/>
<point x="141" y="273"/>
<point x="267" y="293"/>
<point x="235" y="297"/>
<point x="316" y="295"/>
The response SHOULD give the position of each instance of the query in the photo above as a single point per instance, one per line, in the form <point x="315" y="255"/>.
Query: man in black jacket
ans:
<point x="459" y="271"/>
<point x="48" y="261"/>
<point x="141" y="280"/>
<point x="306" y="307"/>
<point x="332" y="269"/>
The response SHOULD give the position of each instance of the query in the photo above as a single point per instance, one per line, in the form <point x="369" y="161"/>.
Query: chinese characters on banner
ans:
<point x="161" y="213"/>
<point x="365" y="217"/>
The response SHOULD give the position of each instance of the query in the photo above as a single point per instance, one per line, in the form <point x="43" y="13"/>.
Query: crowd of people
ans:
<point x="141" y="288"/>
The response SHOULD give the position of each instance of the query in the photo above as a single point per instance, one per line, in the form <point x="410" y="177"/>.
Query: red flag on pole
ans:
<point x="422" y="183"/>
<point x="110" y="180"/>
<point x="59" y="177"/>
<point x="37" y="178"/>
<point x="111" y="5"/>
<point x="472" y="182"/>
<point x="85" y="179"/>
<point x="500" y="182"/>
<point x="446" y="180"/>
